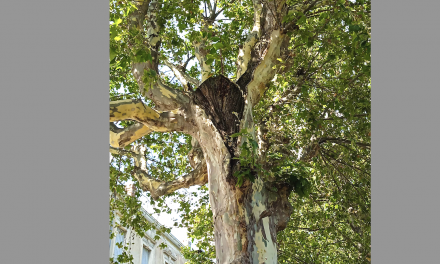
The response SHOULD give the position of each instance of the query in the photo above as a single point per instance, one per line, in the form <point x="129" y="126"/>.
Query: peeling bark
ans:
<point x="267" y="212"/>
<point x="121" y="137"/>
<point x="265" y="70"/>
<point x="244" y="54"/>
<point x="201" y="52"/>
<point x="198" y="176"/>
<point x="221" y="193"/>
<point x="156" y="121"/>
<point x="246" y="219"/>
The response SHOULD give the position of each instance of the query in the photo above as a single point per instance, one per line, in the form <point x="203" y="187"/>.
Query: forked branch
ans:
<point x="158" y="188"/>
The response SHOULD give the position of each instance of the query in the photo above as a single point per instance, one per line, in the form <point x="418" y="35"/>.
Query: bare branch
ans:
<point x="341" y="140"/>
<point x="123" y="152"/>
<point x="313" y="148"/>
<point x="186" y="62"/>
<point x="344" y="117"/>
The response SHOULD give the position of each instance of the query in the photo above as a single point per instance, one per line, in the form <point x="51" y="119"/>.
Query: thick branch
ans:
<point x="201" y="52"/>
<point x="121" y="137"/>
<point x="164" y="97"/>
<point x="183" y="78"/>
<point x="272" y="43"/>
<point x="136" y="110"/>
<point x="210" y="7"/>
<point x="258" y="58"/>
<point x="137" y="17"/>
<point x="244" y="54"/>
<point x="200" y="48"/>
<point x="265" y="71"/>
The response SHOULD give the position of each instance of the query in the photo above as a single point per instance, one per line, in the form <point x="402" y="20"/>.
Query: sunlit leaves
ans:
<point x="321" y="91"/>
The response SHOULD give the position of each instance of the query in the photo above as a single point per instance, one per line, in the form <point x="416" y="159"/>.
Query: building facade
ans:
<point x="145" y="250"/>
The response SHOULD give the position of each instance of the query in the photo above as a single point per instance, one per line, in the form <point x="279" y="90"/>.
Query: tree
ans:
<point x="270" y="99"/>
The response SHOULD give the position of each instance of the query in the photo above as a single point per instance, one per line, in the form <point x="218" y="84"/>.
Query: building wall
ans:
<point x="171" y="254"/>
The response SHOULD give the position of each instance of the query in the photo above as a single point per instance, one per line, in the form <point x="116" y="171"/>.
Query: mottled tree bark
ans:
<point x="246" y="218"/>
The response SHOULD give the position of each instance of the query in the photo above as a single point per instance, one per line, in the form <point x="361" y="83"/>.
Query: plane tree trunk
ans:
<point x="246" y="217"/>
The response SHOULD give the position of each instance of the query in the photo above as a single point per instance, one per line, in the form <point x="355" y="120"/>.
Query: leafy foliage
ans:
<point x="319" y="100"/>
<point x="249" y="166"/>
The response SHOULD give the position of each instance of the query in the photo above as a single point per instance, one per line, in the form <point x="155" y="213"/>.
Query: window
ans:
<point x="145" y="255"/>
<point x="110" y="244"/>
<point x="111" y="229"/>
<point x="120" y="237"/>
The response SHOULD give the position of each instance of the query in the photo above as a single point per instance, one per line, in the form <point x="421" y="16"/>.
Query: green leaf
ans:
<point x="113" y="32"/>
<point x="302" y="20"/>
<point x="209" y="61"/>
<point x="218" y="45"/>
<point x="354" y="28"/>
<point x="254" y="144"/>
<point x="112" y="53"/>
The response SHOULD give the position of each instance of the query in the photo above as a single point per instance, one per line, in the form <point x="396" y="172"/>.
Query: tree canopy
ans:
<point x="311" y="118"/>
